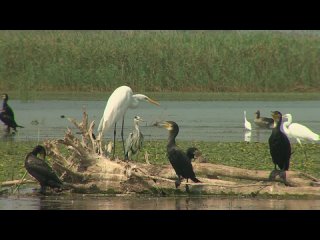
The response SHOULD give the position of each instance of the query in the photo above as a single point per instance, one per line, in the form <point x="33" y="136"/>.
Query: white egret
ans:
<point x="135" y="139"/>
<point x="120" y="100"/>
<point x="247" y="124"/>
<point x="263" y="122"/>
<point x="298" y="131"/>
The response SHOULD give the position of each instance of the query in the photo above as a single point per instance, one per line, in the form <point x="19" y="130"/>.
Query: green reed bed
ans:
<point x="154" y="61"/>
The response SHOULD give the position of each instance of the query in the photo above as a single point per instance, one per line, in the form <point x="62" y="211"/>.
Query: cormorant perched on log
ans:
<point x="7" y="115"/>
<point x="40" y="170"/>
<point x="178" y="159"/>
<point x="280" y="148"/>
<point x="263" y="122"/>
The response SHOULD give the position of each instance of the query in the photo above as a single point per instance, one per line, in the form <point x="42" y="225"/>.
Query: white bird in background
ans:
<point x="120" y="100"/>
<point x="135" y="139"/>
<point x="247" y="124"/>
<point x="298" y="131"/>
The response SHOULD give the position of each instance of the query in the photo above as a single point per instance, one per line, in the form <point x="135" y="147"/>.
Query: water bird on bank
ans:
<point x="135" y="140"/>
<point x="118" y="103"/>
<point x="263" y="122"/>
<point x="179" y="160"/>
<point x="280" y="148"/>
<point x="194" y="153"/>
<point x="298" y="131"/>
<point x="247" y="124"/>
<point x="39" y="169"/>
<point x="7" y="115"/>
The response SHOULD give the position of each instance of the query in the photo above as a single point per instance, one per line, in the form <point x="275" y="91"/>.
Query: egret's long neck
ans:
<point x="285" y="127"/>
<point x="289" y="117"/>
<point x="135" y="100"/>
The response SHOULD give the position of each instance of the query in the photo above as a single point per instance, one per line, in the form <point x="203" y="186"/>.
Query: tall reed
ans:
<point x="204" y="61"/>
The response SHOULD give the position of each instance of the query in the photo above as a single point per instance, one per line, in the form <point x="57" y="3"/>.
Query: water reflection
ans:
<point x="247" y="136"/>
<point x="104" y="202"/>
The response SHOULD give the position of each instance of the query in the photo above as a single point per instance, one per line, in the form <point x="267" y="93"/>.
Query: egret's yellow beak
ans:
<point x="153" y="101"/>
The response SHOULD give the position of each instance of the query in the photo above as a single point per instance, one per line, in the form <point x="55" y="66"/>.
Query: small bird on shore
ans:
<point x="7" y="115"/>
<point x="179" y="160"/>
<point x="40" y="170"/>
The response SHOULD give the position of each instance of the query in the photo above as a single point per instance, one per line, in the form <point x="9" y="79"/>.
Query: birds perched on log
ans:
<point x="280" y="148"/>
<point x="39" y="169"/>
<point x="179" y="160"/>
<point x="118" y="103"/>
<point x="7" y="115"/>
<point x="135" y="139"/>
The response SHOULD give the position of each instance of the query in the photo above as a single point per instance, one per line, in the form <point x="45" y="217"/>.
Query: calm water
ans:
<point x="207" y="121"/>
<point x="89" y="202"/>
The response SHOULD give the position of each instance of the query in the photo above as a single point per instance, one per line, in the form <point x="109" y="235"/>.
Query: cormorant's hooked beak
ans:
<point x="153" y="101"/>
<point x="165" y="124"/>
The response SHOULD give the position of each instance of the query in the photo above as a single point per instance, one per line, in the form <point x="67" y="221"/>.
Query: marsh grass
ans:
<point x="158" y="61"/>
<point x="238" y="154"/>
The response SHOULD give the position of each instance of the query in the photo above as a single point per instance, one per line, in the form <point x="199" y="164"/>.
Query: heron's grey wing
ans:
<point x="129" y="142"/>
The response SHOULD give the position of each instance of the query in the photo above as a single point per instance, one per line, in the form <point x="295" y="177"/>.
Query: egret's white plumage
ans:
<point x="247" y="124"/>
<point x="298" y="131"/>
<point x="120" y="100"/>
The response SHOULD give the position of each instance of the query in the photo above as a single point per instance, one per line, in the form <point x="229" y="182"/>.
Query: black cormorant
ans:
<point x="7" y="115"/>
<point x="192" y="152"/>
<point x="280" y="148"/>
<point x="40" y="170"/>
<point x="178" y="159"/>
<point x="263" y="122"/>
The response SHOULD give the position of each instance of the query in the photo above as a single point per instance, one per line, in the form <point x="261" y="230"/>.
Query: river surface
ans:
<point x="32" y="201"/>
<point x="217" y="121"/>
